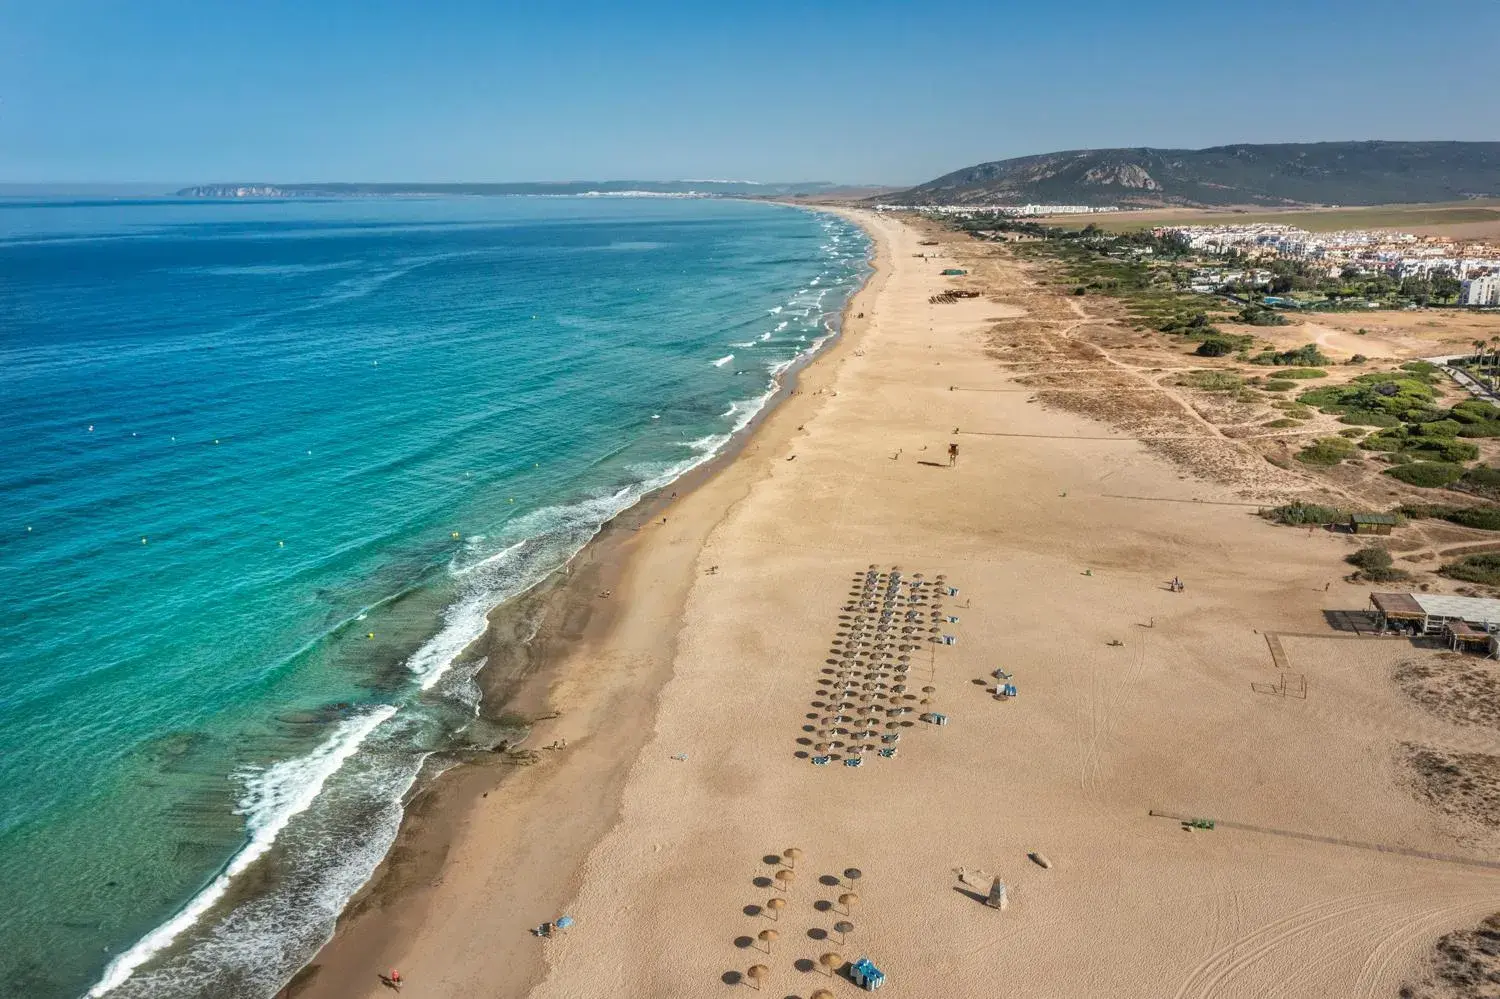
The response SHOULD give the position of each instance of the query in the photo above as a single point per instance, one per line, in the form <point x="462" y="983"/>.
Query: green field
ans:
<point x="1313" y="220"/>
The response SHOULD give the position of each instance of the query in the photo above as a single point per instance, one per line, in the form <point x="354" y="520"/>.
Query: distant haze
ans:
<point x="178" y="93"/>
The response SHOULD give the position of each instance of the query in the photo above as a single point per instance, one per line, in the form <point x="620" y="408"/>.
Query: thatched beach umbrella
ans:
<point x="785" y="878"/>
<point x="849" y="900"/>
<point x="768" y="937"/>
<point x="757" y="974"/>
<point x="832" y="962"/>
<point x="775" y="905"/>
<point x="792" y="855"/>
<point x="929" y="690"/>
<point x="843" y="928"/>
<point x="853" y="874"/>
<point x="821" y="994"/>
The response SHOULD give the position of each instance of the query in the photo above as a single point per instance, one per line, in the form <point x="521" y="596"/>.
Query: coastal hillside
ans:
<point x="1318" y="173"/>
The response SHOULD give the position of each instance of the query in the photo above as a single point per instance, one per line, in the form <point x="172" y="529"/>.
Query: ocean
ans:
<point x="265" y="468"/>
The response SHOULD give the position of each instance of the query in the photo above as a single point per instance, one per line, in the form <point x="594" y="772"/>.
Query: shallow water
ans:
<point x="266" y="466"/>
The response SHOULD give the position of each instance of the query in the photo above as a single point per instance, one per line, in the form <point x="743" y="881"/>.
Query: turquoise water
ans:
<point x="236" y="443"/>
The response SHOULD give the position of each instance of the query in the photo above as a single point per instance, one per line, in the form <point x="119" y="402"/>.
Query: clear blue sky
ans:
<point x="871" y="91"/>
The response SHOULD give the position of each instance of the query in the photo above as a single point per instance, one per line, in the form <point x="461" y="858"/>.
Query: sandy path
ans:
<point x="1100" y="734"/>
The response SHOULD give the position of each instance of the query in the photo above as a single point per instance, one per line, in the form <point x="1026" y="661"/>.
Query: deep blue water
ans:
<point x="265" y="466"/>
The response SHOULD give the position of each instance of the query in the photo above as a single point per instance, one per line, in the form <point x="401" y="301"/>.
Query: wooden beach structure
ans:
<point x="1466" y="622"/>
<point x="1371" y="523"/>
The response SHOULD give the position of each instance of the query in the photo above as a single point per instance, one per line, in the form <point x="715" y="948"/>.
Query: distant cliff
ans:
<point x="602" y="187"/>
<point x="1318" y="173"/>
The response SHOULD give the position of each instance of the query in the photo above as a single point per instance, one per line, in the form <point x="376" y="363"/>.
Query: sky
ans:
<point x="173" y="92"/>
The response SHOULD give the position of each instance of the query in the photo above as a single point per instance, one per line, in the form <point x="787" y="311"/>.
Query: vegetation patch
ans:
<point x="1277" y="385"/>
<point x="1302" y="373"/>
<point x="1465" y="964"/>
<point x="1300" y="514"/>
<point x="1463" y="785"/>
<point x="1483" y="568"/>
<point x="1375" y="563"/>
<point x="1483" y="518"/>
<point x="1282" y="423"/>
<point x="1455" y="688"/>
<point x="1326" y="451"/>
<point x="1211" y="380"/>
<point x="1307" y="354"/>
<point x="1427" y="474"/>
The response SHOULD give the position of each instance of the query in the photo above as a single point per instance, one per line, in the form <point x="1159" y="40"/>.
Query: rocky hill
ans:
<point x="1318" y="173"/>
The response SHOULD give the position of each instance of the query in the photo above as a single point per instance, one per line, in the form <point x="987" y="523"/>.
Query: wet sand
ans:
<point x="1060" y="534"/>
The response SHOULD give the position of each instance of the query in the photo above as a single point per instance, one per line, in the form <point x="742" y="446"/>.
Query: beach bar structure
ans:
<point x="1371" y="523"/>
<point x="1431" y="613"/>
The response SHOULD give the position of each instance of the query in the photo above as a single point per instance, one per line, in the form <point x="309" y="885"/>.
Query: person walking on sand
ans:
<point x="395" y="979"/>
<point x="952" y="455"/>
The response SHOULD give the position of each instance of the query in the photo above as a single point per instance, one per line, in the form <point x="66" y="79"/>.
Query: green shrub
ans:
<point x="1481" y="518"/>
<point x="1423" y="369"/>
<point x="1427" y="474"/>
<point x="1305" y="513"/>
<point x="1475" y="411"/>
<point x="1441" y="428"/>
<point x="1210" y="380"/>
<point x="1277" y="385"/>
<point x="1375" y="563"/>
<point x="1481" y="480"/>
<point x="1256" y="315"/>
<point x="1282" y="423"/>
<point x="1485" y="429"/>
<point x="1353" y="433"/>
<point x="1443" y="449"/>
<point x="1307" y="354"/>
<point x="1368" y="418"/>
<point x="1326" y="451"/>
<point x="1302" y="373"/>
<point x="1483" y="568"/>
<point x="1215" y="346"/>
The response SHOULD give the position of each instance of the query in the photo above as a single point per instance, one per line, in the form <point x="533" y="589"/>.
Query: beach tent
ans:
<point x="866" y="975"/>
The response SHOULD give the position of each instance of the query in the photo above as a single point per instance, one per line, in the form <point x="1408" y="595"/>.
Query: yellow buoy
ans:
<point x="455" y="535"/>
<point x="369" y="634"/>
<point x="143" y="541"/>
<point x="281" y="544"/>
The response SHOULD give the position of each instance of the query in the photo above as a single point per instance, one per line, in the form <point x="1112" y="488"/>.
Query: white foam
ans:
<point x="273" y="797"/>
<point x="776" y="310"/>
<point x="723" y="360"/>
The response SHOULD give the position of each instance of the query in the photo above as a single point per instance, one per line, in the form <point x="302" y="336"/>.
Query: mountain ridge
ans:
<point x="1268" y="174"/>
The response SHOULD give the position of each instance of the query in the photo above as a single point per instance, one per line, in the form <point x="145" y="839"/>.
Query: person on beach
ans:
<point x="952" y="455"/>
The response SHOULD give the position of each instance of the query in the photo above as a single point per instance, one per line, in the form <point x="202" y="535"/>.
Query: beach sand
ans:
<point x="1060" y="534"/>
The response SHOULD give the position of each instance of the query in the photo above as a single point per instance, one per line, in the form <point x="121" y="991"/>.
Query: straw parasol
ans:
<point x="757" y="974"/>
<point x="786" y="878"/>
<point x="775" y="905"/>
<point x="832" y="961"/>
<point x="792" y="855"/>
<point x="822" y="994"/>
<point x="768" y="937"/>
<point x="853" y="874"/>
<point x="843" y="928"/>
<point x="849" y="900"/>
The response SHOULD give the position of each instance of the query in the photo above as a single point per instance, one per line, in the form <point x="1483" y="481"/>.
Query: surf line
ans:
<point x="319" y="765"/>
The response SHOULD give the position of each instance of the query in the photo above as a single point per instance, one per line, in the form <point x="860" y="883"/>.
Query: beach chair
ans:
<point x="855" y="761"/>
<point x="949" y="640"/>
<point x="820" y="761"/>
<point x="889" y="752"/>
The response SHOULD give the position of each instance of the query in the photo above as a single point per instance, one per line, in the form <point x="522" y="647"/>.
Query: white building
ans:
<point x="1480" y="291"/>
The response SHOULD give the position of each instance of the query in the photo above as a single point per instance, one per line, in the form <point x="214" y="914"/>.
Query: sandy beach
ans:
<point x="692" y="698"/>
